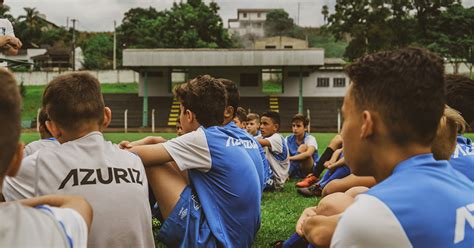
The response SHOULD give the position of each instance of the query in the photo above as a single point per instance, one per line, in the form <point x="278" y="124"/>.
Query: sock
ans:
<point x="318" y="169"/>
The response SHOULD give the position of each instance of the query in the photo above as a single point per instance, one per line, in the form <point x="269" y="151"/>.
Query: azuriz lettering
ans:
<point x="101" y="176"/>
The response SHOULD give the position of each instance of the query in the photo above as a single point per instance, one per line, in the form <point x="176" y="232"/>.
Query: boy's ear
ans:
<point x="107" y="117"/>
<point x="53" y="129"/>
<point x="16" y="161"/>
<point x="189" y="116"/>
<point x="228" y="112"/>
<point x="367" y="128"/>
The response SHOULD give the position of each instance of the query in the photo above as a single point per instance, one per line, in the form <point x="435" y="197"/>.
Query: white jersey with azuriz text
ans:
<point x="112" y="180"/>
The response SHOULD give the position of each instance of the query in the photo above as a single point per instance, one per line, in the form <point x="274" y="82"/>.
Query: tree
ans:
<point x="4" y="13"/>
<point x="278" y="23"/>
<point x="28" y="27"/>
<point x="186" y="25"/>
<point x="325" y="13"/>
<point x="98" y="52"/>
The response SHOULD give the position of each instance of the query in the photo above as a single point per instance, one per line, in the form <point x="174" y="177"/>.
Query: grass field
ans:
<point x="280" y="210"/>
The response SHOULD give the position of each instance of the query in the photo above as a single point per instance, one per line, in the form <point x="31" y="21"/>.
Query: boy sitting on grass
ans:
<point x="197" y="177"/>
<point x="47" y="138"/>
<point x="276" y="149"/>
<point x="111" y="179"/>
<point x="47" y="221"/>
<point x="303" y="148"/>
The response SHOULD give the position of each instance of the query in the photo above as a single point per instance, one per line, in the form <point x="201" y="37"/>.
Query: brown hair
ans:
<point x="253" y="116"/>
<point x="74" y="99"/>
<point x="460" y="95"/>
<point x="233" y="95"/>
<point x="241" y="114"/>
<point x="10" y="112"/>
<point x="445" y="141"/>
<point x="206" y="97"/>
<point x="300" y="118"/>
<point x="406" y="87"/>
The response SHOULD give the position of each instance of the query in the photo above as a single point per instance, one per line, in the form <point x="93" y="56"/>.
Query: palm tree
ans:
<point x="325" y="12"/>
<point x="32" y="18"/>
<point x="4" y="9"/>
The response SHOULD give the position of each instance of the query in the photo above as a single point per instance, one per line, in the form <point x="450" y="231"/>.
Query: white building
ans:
<point x="249" y="22"/>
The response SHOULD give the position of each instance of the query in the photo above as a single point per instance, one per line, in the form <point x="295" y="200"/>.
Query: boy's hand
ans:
<point x="328" y="164"/>
<point x="308" y="212"/>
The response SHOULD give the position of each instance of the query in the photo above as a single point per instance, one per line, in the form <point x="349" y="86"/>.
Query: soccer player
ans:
<point x="253" y="124"/>
<point x="276" y="149"/>
<point x="460" y="96"/>
<point x="391" y="113"/>
<point x="302" y="146"/>
<point x="48" y="221"/>
<point x="47" y="139"/>
<point x="195" y="178"/>
<point x="111" y="179"/>
<point x="240" y="118"/>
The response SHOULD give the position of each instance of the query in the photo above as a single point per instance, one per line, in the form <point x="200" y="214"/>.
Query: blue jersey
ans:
<point x="424" y="203"/>
<point x="293" y="146"/>
<point x="463" y="157"/>
<point x="258" y="156"/>
<point x="226" y="181"/>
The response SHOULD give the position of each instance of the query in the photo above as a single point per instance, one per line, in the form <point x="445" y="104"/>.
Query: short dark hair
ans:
<point x="300" y="118"/>
<point x="460" y="95"/>
<point x="74" y="99"/>
<point x="233" y="95"/>
<point x="42" y="118"/>
<point x="275" y="116"/>
<point x="406" y="87"/>
<point x="206" y="97"/>
<point x="10" y="112"/>
<point x="241" y="114"/>
<point x="253" y="116"/>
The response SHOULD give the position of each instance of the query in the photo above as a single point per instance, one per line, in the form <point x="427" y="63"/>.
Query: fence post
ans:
<point x="37" y="120"/>
<point x="125" y="119"/>
<point x="153" y="120"/>
<point x="308" y="114"/>
<point x="339" y="121"/>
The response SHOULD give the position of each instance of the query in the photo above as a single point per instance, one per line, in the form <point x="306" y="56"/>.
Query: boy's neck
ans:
<point x="74" y="135"/>
<point x="300" y="137"/>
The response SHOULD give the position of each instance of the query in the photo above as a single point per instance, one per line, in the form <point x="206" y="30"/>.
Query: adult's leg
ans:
<point x="167" y="182"/>
<point x="344" y="184"/>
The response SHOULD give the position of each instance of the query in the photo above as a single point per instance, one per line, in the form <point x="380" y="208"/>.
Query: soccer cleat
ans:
<point x="312" y="191"/>
<point x="308" y="181"/>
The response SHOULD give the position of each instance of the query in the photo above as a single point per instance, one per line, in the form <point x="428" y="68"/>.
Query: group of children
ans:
<point x="80" y="190"/>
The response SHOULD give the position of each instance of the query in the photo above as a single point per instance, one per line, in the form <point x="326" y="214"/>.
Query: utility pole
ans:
<point x="298" y="20"/>
<point x="74" y="44"/>
<point x="115" y="46"/>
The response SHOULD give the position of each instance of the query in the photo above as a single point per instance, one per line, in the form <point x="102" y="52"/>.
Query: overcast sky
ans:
<point x="98" y="15"/>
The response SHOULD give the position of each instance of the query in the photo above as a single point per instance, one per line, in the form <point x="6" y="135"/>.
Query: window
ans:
<point x="178" y="76"/>
<point x="249" y="80"/>
<point x="245" y="15"/>
<point x="270" y="47"/>
<point x="288" y="47"/>
<point x="339" y="82"/>
<point x="322" y="82"/>
<point x="272" y="81"/>
<point x="258" y="15"/>
<point x="297" y="74"/>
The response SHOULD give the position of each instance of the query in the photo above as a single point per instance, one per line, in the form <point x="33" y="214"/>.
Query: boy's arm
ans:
<point x="319" y="229"/>
<point x="338" y="163"/>
<point x="335" y="155"/>
<point x="304" y="155"/>
<point x="152" y="154"/>
<point x="264" y="142"/>
<point x="78" y="203"/>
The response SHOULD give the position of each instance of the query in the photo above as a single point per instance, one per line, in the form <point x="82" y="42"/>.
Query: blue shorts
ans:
<point x="187" y="226"/>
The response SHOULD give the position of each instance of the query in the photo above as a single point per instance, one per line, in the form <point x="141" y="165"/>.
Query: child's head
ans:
<point x="43" y="130"/>
<point x="396" y="98"/>
<point x="460" y="96"/>
<point x="299" y="124"/>
<point x="203" y="102"/>
<point x="253" y="123"/>
<point x="233" y="100"/>
<point x="450" y="125"/>
<point x="240" y="118"/>
<point x="179" y="129"/>
<point x="11" y="151"/>
<point x="269" y="123"/>
<point x="74" y="105"/>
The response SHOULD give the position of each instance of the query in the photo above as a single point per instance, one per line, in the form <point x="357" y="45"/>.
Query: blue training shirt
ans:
<point x="424" y="203"/>
<point x="293" y="146"/>
<point x="226" y="181"/>
<point x="258" y="155"/>
<point x="463" y="157"/>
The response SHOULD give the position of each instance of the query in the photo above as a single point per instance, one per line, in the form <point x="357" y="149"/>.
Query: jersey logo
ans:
<point x="247" y="144"/>
<point x="463" y="215"/>
<point x="96" y="176"/>
<point x="460" y="152"/>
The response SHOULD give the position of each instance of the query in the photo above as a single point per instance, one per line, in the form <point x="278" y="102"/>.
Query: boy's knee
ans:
<point x="336" y="142"/>
<point x="334" y="204"/>
<point x="302" y="148"/>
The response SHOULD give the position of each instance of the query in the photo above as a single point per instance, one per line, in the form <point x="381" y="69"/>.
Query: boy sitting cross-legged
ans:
<point x="47" y="221"/>
<point x="276" y="149"/>
<point x="197" y="177"/>
<point x="111" y="179"/>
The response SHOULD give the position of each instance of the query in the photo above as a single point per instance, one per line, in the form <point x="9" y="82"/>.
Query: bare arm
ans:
<point x="308" y="212"/>
<point x="149" y="140"/>
<point x="77" y="203"/>
<point x="264" y="142"/>
<point x="319" y="229"/>
<point x="304" y="155"/>
<point x="152" y="154"/>
<point x="10" y="44"/>
<point x="338" y="163"/>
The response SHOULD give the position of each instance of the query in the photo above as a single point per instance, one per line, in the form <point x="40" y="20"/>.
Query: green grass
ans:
<point x="33" y="94"/>
<point x="279" y="210"/>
